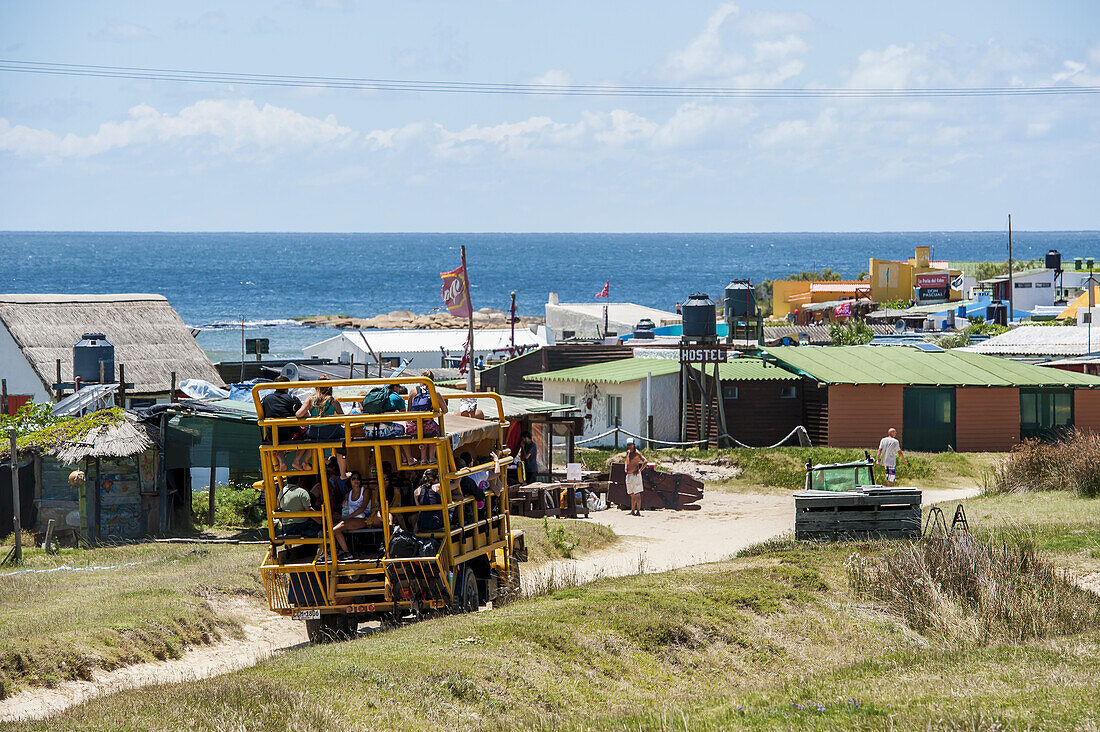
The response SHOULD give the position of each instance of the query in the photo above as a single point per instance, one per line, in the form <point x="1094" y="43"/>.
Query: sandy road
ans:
<point x="657" y="541"/>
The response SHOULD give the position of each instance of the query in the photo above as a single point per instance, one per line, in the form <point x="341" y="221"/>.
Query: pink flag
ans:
<point x="456" y="292"/>
<point x="605" y="290"/>
<point x="843" y="310"/>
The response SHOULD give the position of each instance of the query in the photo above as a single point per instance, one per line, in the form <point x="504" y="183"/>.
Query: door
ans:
<point x="928" y="419"/>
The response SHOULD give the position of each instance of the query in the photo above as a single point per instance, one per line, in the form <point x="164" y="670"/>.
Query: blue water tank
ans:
<point x="88" y="353"/>
<point x="699" y="316"/>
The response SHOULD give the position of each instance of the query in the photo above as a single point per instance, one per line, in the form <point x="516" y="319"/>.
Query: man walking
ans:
<point x="889" y="451"/>
<point x="635" y="461"/>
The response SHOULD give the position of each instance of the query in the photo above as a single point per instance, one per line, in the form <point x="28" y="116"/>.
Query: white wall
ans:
<point x="14" y="367"/>
<point x="665" y="392"/>
<point x="1033" y="290"/>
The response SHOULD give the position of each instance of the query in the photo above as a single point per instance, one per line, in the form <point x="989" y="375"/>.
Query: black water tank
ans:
<point x="699" y="316"/>
<point x="1054" y="259"/>
<point x="740" y="300"/>
<point x="644" y="329"/>
<point x="997" y="312"/>
<point x="93" y="349"/>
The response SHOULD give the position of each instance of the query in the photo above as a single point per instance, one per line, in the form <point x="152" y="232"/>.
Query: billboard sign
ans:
<point x="932" y="286"/>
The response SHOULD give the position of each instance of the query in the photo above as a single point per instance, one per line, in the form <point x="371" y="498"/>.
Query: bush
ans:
<point x="235" y="505"/>
<point x="1070" y="464"/>
<point x="956" y="589"/>
<point x="851" y="333"/>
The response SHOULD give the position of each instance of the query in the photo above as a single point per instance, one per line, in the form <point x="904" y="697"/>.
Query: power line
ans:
<point x="470" y="87"/>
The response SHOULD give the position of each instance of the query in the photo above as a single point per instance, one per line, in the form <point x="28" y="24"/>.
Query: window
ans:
<point x="729" y="392"/>
<point x="1021" y="285"/>
<point x="567" y="334"/>
<point x="570" y="399"/>
<point x="1042" y="284"/>
<point x="787" y="392"/>
<point x="614" y="410"/>
<point x="1045" y="413"/>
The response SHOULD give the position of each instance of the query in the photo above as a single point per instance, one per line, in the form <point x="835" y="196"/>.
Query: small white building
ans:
<point x="614" y="394"/>
<point x="567" y="320"/>
<point x="1041" y="342"/>
<point x="424" y="349"/>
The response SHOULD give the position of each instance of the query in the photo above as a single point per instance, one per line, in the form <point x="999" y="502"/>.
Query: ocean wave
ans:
<point x="230" y="324"/>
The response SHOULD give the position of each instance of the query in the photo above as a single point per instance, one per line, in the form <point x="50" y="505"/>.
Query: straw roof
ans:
<point x="120" y="439"/>
<point x="148" y="335"/>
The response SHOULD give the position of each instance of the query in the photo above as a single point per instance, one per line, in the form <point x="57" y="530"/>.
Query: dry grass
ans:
<point x="1070" y="464"/>
<point x="957" y="589"/>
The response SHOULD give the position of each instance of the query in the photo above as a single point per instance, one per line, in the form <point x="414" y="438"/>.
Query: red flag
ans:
<point x="456" y="292"/>
<point x="604" y="291"/>
<point x="843" y="310"/>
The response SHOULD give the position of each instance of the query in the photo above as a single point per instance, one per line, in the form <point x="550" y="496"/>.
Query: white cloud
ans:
<point x="230" y="125"/>
<point x="121" y="32"/>
<point x="772" y="23"/>
<point x="554" y="77"/>
<point x="342" y="6"/>
<point x="776" y="52"/>
<point x="1069" y="70"/>
<point x="695" y="123"/>
<point x="1038" y="129"/>
<point x="210" y="20"/>
<point x="801" y="132"/>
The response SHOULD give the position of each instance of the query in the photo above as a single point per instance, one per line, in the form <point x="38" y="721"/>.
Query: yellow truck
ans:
<point x="438" y="541"/>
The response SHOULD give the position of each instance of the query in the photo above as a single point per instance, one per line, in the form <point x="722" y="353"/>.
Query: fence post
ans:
<point x="18" y="524"/>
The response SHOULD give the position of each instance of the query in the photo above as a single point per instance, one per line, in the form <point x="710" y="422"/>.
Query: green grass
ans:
<point x="549" y="539"/>
<point x="58" y="626"/>
<point x="774" y="639"/>
<point x="785" y="467"/>
<point x="235" y="506"/>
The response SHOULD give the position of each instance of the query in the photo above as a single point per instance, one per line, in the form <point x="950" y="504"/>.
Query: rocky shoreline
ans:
<point x="485" y="318"/>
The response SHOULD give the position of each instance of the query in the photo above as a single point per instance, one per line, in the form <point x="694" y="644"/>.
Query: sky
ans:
<point x="115" y="154"/>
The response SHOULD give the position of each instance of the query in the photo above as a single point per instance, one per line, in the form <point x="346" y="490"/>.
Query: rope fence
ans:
<point x="803" y="439"/>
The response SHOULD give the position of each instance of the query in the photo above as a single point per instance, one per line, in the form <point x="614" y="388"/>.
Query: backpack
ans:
<point x="376" y="401"/>
<point x="404" y="545"/>
<point x="421" y="402"/>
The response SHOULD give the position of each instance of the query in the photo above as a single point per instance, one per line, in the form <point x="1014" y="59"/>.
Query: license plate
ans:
<point x="306" y="615"/>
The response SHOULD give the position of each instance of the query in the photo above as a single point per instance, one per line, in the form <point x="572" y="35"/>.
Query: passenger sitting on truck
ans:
<point x="428" y="495"/>
<point x="469" y="408"/>
<point x="323" y="404"/>
<point x="362" y="511"/>
<point x="421" y="401"/>
<point x="293" y="497"/>
<point x="282" y="404"/>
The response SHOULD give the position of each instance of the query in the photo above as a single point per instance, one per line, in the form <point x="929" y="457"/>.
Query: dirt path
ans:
<point x="265" y="634"/>
<point x="658" y="541"/>
<point x="654" y="542"/>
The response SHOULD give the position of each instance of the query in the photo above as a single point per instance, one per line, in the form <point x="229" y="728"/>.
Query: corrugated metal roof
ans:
<point x="904" y="365"/>
<point x="1040" y="340"/>
<point x="753" y="369"/>
<point x="612" y="372"/>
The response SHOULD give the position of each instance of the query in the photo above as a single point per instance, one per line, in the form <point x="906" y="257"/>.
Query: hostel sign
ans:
<point x="932" y="286"/>
<point x="704" y="354"/>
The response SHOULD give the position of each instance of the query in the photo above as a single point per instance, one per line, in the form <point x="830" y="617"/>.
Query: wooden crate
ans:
<point x="879" y="513"/>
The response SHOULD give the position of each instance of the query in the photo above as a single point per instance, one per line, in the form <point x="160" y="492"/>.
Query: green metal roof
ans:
<point x="906" y="365"/>
<point x="752" y="369"/>
<point x="612" y="372"/>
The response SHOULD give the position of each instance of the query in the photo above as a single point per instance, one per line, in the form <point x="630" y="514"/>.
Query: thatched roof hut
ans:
<point x="121" y="439"/>
<point x="148" y="335"/>
<point x="109" y="433"/>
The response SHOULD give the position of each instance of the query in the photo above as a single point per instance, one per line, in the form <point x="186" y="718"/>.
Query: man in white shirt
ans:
<point x="889" y="451"/>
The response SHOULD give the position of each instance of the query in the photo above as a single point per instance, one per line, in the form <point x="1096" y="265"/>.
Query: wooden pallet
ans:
<point x="875" y="513"/>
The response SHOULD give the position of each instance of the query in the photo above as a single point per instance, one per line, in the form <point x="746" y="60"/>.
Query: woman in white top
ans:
<point x="361" y="513"/>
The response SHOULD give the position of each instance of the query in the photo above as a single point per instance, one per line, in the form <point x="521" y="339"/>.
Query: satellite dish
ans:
<point x="290" y="371"/>
<point x="900" y="327"/>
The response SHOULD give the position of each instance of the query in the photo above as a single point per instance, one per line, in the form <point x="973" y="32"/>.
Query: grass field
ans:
<point x="775" y="639"/>
<point x="58" y="626"/>
<point x="783" y="469"/>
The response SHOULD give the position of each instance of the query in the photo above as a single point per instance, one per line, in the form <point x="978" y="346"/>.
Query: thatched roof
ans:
<point x="148" y="335"/>
<point x="120" y="439"/>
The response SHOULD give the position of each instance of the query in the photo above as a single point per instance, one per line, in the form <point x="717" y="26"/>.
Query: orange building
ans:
<point x="789" y="296"/>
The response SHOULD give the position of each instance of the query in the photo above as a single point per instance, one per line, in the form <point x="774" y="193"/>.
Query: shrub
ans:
<point x="851" y="333"/>
<point x="234" y="505"/>
<point x="955" y="588"/>
<point x="1072" y="463"/>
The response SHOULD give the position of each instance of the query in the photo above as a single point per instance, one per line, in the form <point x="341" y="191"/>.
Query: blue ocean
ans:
<point x="217" y="280"/>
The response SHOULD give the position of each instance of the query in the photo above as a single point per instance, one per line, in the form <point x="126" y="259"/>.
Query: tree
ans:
<point x="852" y="333"/>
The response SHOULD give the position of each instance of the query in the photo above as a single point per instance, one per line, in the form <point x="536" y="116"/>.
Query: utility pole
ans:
<point x="513" y="319"/>
<point x="18" y="524"/>
<point x="470" y="348"/>
<point x="1010" y="311"/>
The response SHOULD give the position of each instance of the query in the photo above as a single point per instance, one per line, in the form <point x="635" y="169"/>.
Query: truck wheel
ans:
<point x="466" y="597"/>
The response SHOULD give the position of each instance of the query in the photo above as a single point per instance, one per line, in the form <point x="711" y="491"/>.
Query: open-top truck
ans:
<point x="468" y="561"/>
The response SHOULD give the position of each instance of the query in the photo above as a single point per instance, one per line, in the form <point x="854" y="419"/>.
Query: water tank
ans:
<point x="699" y="316"/>
<point x="644" y="329"/>
<point x="997" y="313"/>
<point x="1078" y="263"/>
<point x="88" y="353"/>
<point x="1088" y="263"/>
<point x="740" y="300"/>
<point x="1054" y="259"/>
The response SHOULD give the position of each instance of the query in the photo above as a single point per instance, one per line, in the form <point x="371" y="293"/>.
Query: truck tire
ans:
<point x="466" y="598"/>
